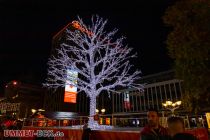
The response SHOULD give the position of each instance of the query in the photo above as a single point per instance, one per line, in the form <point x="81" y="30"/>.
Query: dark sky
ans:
<point x="27" y="27"/>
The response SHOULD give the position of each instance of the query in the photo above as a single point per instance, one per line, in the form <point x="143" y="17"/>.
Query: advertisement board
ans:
<point x="70" y="95"/>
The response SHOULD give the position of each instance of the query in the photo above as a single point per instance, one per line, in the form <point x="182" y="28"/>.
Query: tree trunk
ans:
<point x="92" y="111"/>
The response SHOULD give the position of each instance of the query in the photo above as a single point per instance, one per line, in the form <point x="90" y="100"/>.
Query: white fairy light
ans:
<point x="101" y="61"/>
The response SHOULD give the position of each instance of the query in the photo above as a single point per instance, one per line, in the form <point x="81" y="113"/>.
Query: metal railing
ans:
<point x="116" y="122"/>
<point x="81" y="120"/>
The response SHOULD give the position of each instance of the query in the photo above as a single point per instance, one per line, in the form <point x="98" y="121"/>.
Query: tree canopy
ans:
<point x="188" y="44"/>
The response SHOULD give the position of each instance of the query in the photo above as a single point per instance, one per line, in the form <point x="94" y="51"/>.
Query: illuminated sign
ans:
<point x="77" y="25"/>
<point x="70" y="87"/>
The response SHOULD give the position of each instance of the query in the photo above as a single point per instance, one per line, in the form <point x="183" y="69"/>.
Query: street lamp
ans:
<point x="97" y="111"/>
<point x="103" y="110"/>
<point x="33" y="110"/>
<point x="172" y="106"/>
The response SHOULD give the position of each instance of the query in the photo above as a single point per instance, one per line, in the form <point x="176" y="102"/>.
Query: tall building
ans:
<point x="54" y="100"/>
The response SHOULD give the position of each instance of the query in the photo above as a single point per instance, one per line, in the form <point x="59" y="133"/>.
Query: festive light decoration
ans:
<point x="101" y="67"/>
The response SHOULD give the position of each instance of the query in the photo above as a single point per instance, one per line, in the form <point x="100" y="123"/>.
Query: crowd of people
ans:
<point x="154" y="131"/>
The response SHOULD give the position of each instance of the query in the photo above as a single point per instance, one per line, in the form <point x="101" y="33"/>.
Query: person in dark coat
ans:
<point x="153" y="131"/>
<point x="177" y="130"/>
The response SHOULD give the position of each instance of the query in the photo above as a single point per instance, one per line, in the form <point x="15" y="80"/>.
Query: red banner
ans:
<point x="70" y="97"/>
<point x="127" y="105"/>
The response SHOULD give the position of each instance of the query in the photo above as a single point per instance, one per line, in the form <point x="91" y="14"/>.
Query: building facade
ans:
<point x="54" y="99"/>
<point x="159" y="88"/>
<point x="29" y="97"/>
<point x="153" y="96"/>
<point x="128" y="107"/>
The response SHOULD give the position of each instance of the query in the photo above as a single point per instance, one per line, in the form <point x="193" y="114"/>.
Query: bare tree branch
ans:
<point x="101" y="61"/>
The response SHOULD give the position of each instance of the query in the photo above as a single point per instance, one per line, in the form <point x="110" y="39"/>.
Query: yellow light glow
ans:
<point x="103" y="110"/>
<point x="33" y="110"/>
<point x="97" y="110"/>
<point x="164" y="104"/>
<point x="173" y="104"/>
<point x="179" y="102"/>
<point x="169" y="102"/>
<point x="41" y="110"/>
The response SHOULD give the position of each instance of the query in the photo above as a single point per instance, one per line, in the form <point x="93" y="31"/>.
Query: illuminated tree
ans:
<point x="101" y="60"/>
<point x="189" y="45"/>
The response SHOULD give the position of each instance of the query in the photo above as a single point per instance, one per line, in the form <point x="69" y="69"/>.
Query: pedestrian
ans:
<point x="153" y="130"/>
<point x="177" y="130"/>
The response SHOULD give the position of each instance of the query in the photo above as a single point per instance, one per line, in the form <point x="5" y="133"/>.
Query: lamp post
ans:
<point x="97" y="111"/>
<point x="172" y="106"/>
<point x="103" y="111"/>
<point x="100" y="114"/>
<point x="33" y="111"/>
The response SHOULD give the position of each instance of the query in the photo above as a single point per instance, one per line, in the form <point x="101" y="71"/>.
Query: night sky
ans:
<point x="27" y="28"/>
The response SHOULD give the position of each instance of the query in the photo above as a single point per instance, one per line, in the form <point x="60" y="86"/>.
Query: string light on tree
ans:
<point x="101" y="60"/>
